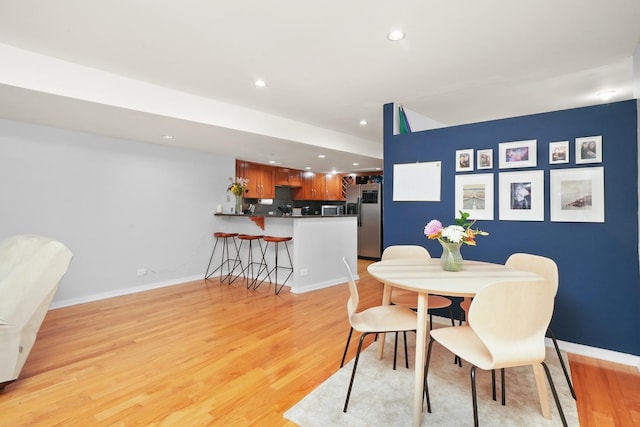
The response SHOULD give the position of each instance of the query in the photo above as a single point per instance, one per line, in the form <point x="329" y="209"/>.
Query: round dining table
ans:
<point x="426" y="276"/>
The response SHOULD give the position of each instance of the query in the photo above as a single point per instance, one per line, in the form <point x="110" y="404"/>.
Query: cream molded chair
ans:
<point x="410" y="298"/>
<point x="547" y="268"/>
<point x="506" y="328"/>
<point x="31" y="268"/>
<point x="374" y="320"/>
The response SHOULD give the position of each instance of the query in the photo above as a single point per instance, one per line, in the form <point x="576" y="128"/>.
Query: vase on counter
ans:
<point x="239" y="204"/>
<point x="451" y="259"/>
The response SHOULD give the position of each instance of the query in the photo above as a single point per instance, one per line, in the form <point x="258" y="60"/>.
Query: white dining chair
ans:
<point x="373" y="320"/>
<point x="506" y="328"/>
<point x="547" y="268"/>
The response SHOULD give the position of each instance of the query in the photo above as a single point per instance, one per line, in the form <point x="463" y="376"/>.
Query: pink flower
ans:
<point x="433" y="228"/>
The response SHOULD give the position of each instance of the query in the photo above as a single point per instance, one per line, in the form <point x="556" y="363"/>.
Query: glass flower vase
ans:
<point x="451" y="259"/>
<point x="238" y="208"/>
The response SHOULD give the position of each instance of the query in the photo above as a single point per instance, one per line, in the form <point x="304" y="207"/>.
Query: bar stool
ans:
<point x="251" y="259"/>
<point x="225" y="258"/>
<point x="276" y="241"/>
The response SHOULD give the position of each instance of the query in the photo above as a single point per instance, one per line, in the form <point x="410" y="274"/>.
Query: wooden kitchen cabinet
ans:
<point x="261" y="178"/>
<point x="332" y="187"/>
<point x="288" y="177"/>
<point x="318" y="186"/>
<point x="312" y="187"/>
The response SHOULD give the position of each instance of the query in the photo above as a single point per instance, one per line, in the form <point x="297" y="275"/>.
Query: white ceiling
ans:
<point x="142" y="69"/>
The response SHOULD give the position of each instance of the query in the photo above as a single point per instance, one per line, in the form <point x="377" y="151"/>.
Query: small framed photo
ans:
<point x="589" y="150"/>
<point x="522" y="196"/>
<point x="577" y="195"/>
<point x="474" y="194"/>
<point x="558" y="152"/>
<point x="464" y="160"/>
<point x="517" y="154"/>
<point x="485" y="159"/>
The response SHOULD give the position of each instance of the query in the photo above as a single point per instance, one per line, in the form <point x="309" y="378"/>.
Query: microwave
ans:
<point x="332" y="210"/>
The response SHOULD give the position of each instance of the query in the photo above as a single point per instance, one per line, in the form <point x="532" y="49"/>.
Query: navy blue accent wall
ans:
<point x="599" y="294"/>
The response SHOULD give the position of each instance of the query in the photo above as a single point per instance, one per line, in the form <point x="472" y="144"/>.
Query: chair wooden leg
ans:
<point x="353" y="373"/>
<point x="555" y="394"/>
<point x="346" y="347"/>
<point x="564" y="368"/>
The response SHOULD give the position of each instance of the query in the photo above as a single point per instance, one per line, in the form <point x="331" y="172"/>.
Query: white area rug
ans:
<point x="384" y="397"/>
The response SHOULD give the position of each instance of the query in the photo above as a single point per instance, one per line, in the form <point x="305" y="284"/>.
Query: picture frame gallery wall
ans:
<point x="595" y="247"/>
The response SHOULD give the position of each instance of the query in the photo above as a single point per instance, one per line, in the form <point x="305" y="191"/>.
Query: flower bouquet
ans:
<point x="238" y="187"/>
<point x="452" y="237"/>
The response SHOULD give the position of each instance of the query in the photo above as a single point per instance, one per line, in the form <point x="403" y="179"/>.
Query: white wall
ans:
<point x="118" y="205"/>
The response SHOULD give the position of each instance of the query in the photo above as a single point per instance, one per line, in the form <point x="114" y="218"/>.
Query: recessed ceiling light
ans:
<point x="378" y="169"/>
<point x="363" y="122"/>
<point x="322" y="156"/>
<point x="606" y="95"/>
<point x="167" y="136"/>
<point x="356" y="164"/>
<point x="307" y="167"/>
<point x="260" y="83"/>
<point x="272" y="161"/>
<point x="395" y="35"/>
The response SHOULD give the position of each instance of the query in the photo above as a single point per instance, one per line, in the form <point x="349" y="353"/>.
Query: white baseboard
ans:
<point x="583" y="350"/>
<point x="120" y="292"/>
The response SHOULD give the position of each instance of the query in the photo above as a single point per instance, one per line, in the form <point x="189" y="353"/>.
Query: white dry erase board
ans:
<point x="417" y="182"/>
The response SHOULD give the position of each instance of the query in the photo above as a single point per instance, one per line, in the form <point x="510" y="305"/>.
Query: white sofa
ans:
<point x="30" y="270"/>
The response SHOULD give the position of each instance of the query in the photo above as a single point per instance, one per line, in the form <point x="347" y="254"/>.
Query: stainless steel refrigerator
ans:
<point x="365" y="200"/>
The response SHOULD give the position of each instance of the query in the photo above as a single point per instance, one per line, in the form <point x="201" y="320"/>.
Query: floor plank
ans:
<point x="204" y="353"/>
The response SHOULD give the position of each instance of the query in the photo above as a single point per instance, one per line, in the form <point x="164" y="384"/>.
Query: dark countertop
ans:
<point x="284" y="216"/>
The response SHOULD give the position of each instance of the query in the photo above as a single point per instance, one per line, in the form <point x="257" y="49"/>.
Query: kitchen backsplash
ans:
<point x="284" y="197"/>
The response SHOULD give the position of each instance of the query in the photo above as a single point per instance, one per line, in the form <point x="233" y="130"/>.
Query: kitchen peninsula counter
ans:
<point x="317" y="248"/>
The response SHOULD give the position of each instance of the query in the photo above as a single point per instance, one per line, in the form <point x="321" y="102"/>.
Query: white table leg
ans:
<point x="386" y="300"/>
<point x="541" y="385"/>
<point x="421" y="341"/>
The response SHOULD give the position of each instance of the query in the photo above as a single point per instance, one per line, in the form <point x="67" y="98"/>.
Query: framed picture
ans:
<point x="474" y="194"/>
<point x="517" y="154"/>
<point x="558" y="152"/>
<point x="577" y="195"/>
<point x="464" y="160"/>
<point x="522" y="196"/>
<point x="485" y="159"/>
<point x="589" y="150"/>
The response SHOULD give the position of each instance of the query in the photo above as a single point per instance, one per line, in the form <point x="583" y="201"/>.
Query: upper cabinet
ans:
<point x="332" y="187"/>
<point x="306" y="185"/>
<point x="318" y="186"/>
<point x="311" y="187"/>
<point x="288" y="177"/>
<point x="261" y="178"/>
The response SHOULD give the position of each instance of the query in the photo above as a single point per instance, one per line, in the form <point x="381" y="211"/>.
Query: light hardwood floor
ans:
<point x="205" y="353"/>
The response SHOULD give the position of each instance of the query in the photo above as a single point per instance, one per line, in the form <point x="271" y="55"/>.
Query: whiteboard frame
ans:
<point x="417" y="182"/>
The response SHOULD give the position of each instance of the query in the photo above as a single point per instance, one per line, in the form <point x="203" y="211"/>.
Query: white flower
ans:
<point x="454" y="233"/>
